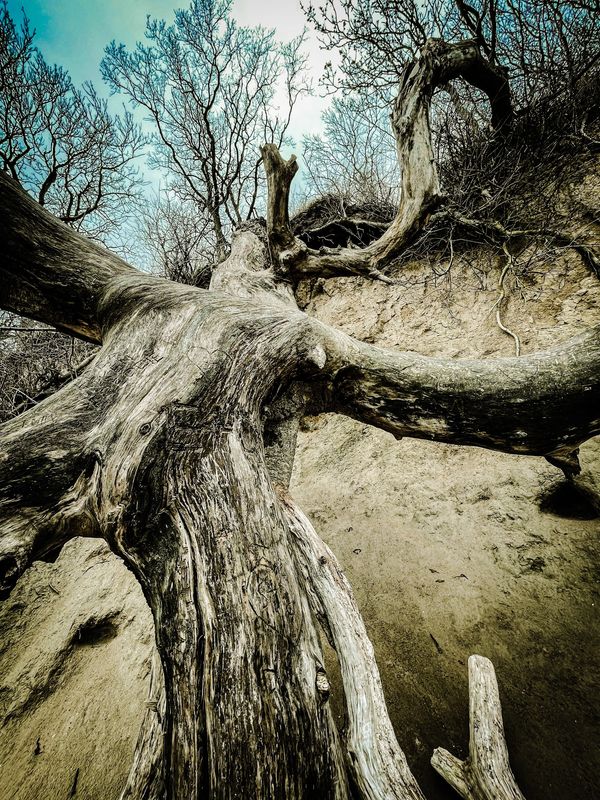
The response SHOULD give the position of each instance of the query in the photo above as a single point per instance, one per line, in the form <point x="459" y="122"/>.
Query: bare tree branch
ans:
<point x="50" y="272"/>
<point x="486" y="774"/>
<point x="437" y="63"/>
<point x="59" y="141"/>
<point x="538" y="404"/>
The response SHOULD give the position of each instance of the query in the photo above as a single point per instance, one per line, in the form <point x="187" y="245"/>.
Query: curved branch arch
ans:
<point x="438" y="63"/>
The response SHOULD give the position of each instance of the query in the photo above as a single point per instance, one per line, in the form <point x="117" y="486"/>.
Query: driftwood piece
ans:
<point x="486" y="774"/>
<point x="374" y="759"/>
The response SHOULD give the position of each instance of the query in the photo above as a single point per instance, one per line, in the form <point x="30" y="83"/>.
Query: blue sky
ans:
<point x="74" y="33"/>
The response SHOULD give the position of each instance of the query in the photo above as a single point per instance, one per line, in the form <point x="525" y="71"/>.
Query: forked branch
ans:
<point x="280" y="174"/>
<point x="486" y="774"/>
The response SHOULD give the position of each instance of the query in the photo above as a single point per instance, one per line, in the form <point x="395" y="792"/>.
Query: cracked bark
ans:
<point x="170" y="443"/>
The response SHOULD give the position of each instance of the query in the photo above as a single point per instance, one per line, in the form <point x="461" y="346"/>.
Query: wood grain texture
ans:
<point x="486" y="774"/>
<point x="170" y="444"/>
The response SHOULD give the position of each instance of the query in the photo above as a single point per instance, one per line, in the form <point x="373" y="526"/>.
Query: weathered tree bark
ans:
<point x="205" y="536"/>
<point x="544" y="404"/>
<point x="48" y="479"/>
<point x="160" y="446"/>
<point x="46" y="274"/>
<point x="176" y="443"/>
<point x="180" y="490"/>
<point x="486" y="774"/>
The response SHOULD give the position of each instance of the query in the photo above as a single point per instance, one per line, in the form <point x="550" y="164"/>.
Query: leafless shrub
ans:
<point x="34" y="361"/>
<point x="179" y="239"/>
<point x="355" y="158"/>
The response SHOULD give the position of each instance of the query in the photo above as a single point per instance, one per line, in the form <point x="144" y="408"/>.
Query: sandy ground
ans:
<point x="75" y="646"/>
<point x="457" y="550"/>
<point x="451" y="551"/>
<point x="450" y="554"/>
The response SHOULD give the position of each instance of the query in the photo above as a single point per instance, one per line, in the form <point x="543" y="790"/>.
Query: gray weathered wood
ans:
<point x="373" y="756"/>
<point x="49" y="272"/>
<point x="170" y="443"/>
<point x="420" y="196"/>
<point x="541" y="404"/>
<point x="486" y="774"/>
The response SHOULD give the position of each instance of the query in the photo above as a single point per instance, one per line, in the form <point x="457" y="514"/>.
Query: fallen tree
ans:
<point x="175" y="445"/>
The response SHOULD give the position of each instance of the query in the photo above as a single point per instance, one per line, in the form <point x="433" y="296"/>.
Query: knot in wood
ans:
<point x="317" y="357"/>
<point x="322" y="684"/>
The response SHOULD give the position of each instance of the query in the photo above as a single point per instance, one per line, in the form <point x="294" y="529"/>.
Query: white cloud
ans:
<point x="288" y="19"/>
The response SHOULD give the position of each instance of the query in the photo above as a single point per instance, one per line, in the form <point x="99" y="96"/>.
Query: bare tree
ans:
<point x="355" y="157"/>
<point x="545" y="46"/>
<point x="180" y="241"/>
<point x="544" y="56"/>
<point x="211" y="88"/>
<point x="60" y="142"/>
<point x="176" y="446"/>
<point x="79" y="161"/>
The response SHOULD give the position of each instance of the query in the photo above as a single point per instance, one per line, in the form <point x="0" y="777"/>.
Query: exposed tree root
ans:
<point x="502" y="296"/>
<point x="376" y="763"/>
<point x="498" y="232"/>
<point x="146" y="776"/>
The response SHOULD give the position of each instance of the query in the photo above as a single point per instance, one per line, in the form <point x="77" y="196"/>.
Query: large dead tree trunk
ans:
<point x="175" y="444"/>
<point x="159" y="447"/>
